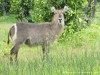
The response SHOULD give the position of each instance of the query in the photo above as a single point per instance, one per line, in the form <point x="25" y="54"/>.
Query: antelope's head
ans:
<point x="59" y="15"/>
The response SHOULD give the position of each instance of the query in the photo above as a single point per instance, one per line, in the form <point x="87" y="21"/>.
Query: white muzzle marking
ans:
<point x="15" y="34"/>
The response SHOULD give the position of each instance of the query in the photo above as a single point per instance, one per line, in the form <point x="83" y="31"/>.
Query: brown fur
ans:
<point x="37" y="34"/>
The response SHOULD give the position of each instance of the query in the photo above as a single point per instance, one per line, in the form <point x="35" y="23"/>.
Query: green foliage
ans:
<point x="14" y="6"/>
<point x="98" y="0"/>
<point x="39" y="11"/>
<point x="4" y="6"/>
<point x="21" y="5"/>
<point x="22" y="8"/>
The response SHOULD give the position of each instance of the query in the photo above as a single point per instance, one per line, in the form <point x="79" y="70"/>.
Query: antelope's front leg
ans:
<point x="45" y="50"/>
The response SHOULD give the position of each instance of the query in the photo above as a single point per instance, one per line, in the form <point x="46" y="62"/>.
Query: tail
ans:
<point x="12" y="33"/>
<point x="8" y="41"/>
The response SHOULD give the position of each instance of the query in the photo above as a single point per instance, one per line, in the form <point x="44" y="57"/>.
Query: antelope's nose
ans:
<point x="60" y="20"/>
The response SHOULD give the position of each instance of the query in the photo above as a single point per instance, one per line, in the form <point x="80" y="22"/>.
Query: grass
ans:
<point x="79" y="54"/>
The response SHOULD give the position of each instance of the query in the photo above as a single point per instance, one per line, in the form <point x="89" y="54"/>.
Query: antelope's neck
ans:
<point x="58" y="27"/>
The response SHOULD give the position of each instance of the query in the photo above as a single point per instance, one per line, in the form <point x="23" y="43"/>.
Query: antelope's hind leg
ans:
<point x="14" y="52"/>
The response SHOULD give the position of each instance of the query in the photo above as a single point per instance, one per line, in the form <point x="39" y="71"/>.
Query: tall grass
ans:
<point x="59" y="63"/>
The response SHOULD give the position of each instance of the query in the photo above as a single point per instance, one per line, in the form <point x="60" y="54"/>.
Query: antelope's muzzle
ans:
<point x="60" y="20"/>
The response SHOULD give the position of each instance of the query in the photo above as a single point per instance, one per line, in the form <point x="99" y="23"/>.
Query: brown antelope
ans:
<point x="37" y="34"/>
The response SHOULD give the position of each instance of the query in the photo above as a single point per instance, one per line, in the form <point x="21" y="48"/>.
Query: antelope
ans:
<point x="32" y="34"/>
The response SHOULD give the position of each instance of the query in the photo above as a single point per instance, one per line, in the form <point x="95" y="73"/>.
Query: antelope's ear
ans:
<point x="53" y="9"/>
<point x="65" y="9"/>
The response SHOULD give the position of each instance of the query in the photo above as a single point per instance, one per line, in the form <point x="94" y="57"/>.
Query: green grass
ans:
<point x="79" y="54"/>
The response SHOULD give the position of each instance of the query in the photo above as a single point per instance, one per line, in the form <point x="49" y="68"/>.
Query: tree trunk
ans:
<point x="4" y="11"/>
